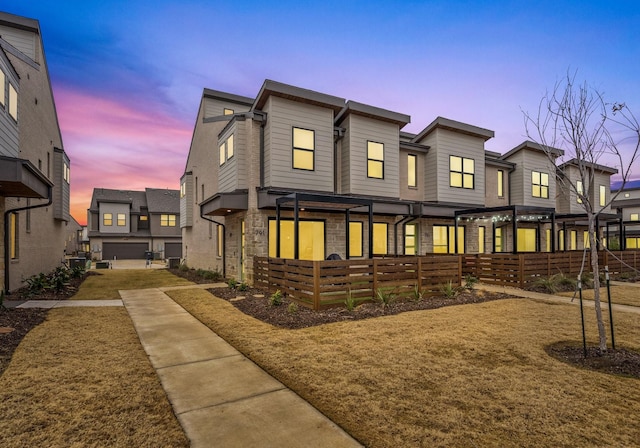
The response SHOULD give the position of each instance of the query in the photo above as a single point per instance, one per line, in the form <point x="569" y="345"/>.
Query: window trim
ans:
<point x="416" y="247"/>
<point x="413" y="157"/>
<point x="603" y="195"/>
<point x="386" y="234"/>
<point x="166" y="220"/>
<point x="118" y="220"/>
<point x="295" y="148"/>
<point x="540" y="185"/>
<point x="370" y="159"/>
<point x="501" y="183"/>
<point x="360" y="232"/>
<point x="462" y="172"/>
<point x="13" y="102"/>
<point x="107" y="217"/>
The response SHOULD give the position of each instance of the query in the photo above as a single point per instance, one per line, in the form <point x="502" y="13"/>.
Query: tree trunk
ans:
<point x="595" y="268"/>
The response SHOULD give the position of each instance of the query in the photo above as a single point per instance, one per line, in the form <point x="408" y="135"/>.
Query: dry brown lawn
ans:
<point x="620" y="294"/>
<point x="472" y="375"/>
<point x="82" y="379"/>
<point x="108" y="282"/>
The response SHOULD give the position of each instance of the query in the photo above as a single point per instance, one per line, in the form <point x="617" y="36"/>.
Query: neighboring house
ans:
<point x="34" y="168"/>
<point x="74" y="238"/>
<point x="354" y="182"/>
<point x="627" y="205"/>
<point x="124" y="224"/>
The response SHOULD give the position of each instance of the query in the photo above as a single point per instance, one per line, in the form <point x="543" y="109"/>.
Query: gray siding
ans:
<point x="521" y="191"/>
<point x="430" y="175"/>
<point x="215" y="107"/>
<point x="114" y="209"/>
<point x="62" y="188"/>
<point x="8" y="126"/>
<point x="491" y="187"/>
<point x="23" y="40"/>
<point x="186" y="202"/>
<point x="233" y="173"/>
<point x="282" y="116"/>
<point x="406" y="192"/>
<point x="362" y="130"/>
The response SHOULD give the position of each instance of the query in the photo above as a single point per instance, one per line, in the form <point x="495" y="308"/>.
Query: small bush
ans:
<point x="350" y="302"/>
<point x="232" y="283"/>
<point x="276" y="298"/>
<point x="183" y="267"/>
<point x="417" y="295"/>
<point x="448" y="290"/>
<point x="385" y="298"/>
<point x="470" y="282"/>
<point x="243" y="286"/>
<point x="292" y="308"/>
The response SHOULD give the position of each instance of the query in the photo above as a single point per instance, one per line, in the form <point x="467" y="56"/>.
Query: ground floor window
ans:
<point x="481" y="235"/>
<point x="497" y="240"/>
<point x="380" y="238"/>
<point x="13" y="236"/>
<point x="574" y="240"/>
<point x="586" y="242"/>
<point x="410" y="239"/>
<point x="560" y="239"/>
<point x="547" y="234"/>
<point x="633" y="242"/>
<point x="444" y="239"/>
<point x="220" y="234"/>
<point x="527" y="239"/>
<point x="355" y="239"/>
<point x="311" y="239"/>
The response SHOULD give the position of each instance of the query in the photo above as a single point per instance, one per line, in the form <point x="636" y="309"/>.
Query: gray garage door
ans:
<point x="124" y="251"/>
<point x="173" y="250"/>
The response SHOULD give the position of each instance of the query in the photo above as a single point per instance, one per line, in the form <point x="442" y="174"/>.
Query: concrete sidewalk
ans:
<point x="220" y="397"/>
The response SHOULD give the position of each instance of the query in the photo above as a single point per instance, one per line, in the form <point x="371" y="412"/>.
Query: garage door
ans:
<point x="124" y="251"/>
<point x="173" y="250"/>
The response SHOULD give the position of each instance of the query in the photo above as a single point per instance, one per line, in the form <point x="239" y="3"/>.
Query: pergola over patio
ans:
<point x="333" y="203"/>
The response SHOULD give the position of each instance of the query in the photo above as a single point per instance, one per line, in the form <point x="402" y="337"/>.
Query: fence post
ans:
<point x="375" y="278"/>
<point x="460" y="269"/>
<point x="316" y="285"/>
<point x="419" y="274"/>
<point x="521" y="270"/>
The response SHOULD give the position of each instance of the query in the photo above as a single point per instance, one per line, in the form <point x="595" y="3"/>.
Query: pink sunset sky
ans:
<point x="128" y="76"/>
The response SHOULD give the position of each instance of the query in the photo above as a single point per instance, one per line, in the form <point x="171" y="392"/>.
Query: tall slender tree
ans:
<point x="576" y="118"/>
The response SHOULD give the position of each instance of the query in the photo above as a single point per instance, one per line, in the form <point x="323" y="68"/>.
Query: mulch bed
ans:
<point x="617" y="362"/>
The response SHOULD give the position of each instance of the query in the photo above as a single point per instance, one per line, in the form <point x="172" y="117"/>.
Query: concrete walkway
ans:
<point x="219" y="396"/>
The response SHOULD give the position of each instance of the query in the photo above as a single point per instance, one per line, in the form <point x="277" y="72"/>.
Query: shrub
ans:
<point x="243" y="286"/>
<point x="36" y="283"/>
<point x="276" y="298"/>
<point x="470" y="282"/>
<point x="232" y="283"/>
<point x="350" y="302"/>
<point x="385" y="298"/>
<point x="417" y="295"/>
<point x="448" y="290"/>
<point x="183" y="267"/>
<point x="292" y="308"/>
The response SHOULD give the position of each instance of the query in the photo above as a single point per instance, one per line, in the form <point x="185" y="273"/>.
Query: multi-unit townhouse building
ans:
<point x="627" y="205"/>
<point x="34" y="168"/>
<point x="125" y="224"/>
<point x="296" y="173"/>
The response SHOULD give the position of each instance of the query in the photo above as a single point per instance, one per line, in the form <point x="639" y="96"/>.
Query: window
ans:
<point x="574" y="240"/>
<point x="497" y="243"/>
<point x="13" y="236"/>
<point x="500" y="183"/>
<point x="380" y="235"/>
<point x="461" y="172"/>
<point x="603" y="196"/>
<point x="626" y="195"/>
<point x="355" y="239"/>
<point x="634" y="217"/>
<point x="66" y="173"/>
<point x="579" y="191"/>
<point x="226" y="150"/>
<point x="310" y="239"/>
<point x="412" y="173"/>
<point x="122" y="219"/>
<point x="444" y="239"/>
<point x="183" y="189"/>
<point x="167" y="220"/>
<point x="632" y="243"/>
<point x="410" y="239"/>
<point x="375" y="160"/>
<point x="586" y="242"/>
<point x="2" y="84"/>
<point x="561" y="240"/>
<point x="481" y="236"/>
<point x="13" y="102"/>
<point x="304" y="144"/>
<point x="107" y="219"/>
<point x="539" y="184"/>
<point x="547" y="234"/>
<point x="220" y="239"/>
<point x="527" y="240"/>
<point x="227" y="111"/>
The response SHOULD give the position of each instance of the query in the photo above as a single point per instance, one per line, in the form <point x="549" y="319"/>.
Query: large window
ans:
<point x="355" y="239"/>
<point x="574" y="240"/>
<point x="632" y="243"/>
<point x="226" y="150"/>
<point x="603" y="195"/>
<point x="497" y="242"/>
<point x="410" y="239"/>
<point x="167" y="220"/>
<point x="580" y="191"/>
<point x="107" y="219"/>
<point x="304" y="146"/>
<point x="310" y="239"/>
<point x="444" y="239"/>
<point x="375" y="160"/>
<point x="13" y="102"/>
<point x="121" y="219"/>
<point x="561" y="242"/>
<point x="412" y="171"/>
<point x="539" y="184"/>
<point x="527" y="240"/>
<point x="461" y="172"/>
<point x="380" y="235"/>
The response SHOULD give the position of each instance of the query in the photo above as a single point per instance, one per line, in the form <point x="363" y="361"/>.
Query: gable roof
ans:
<point x="137" y="199"/>
<point x="163" y="200"/>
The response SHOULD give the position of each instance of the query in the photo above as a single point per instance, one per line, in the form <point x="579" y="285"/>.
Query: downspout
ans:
<point x="224" y="242"/>
<point x="7" y="260"/>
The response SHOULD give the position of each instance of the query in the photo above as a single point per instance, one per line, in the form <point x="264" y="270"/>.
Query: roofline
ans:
<point x="528" y="144"/>
<point x="596" y="166"/>
<point x="270" y="87"/>
<point x="231" y="97"/>
<point x="377" y="113"/>
<point x="20" y="22"/>
<point x="455" y="126"/>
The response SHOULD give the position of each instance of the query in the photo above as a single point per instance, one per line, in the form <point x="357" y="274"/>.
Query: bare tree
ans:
<point x="577" y="119"/>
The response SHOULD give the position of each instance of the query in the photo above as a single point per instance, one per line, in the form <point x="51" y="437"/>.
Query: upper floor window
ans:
<point x="500" y="183"/>
<point x="626" y="195"/>
<point x="183" y="189"/>
<point x="2" y="82"/>
<point x="107" y="219"/>
<point x="375" y="160"/>
<point x="227" y="111"/>
<point x="66" y="173"/>
<point x="634" y="216"/>
<point x="603" y="196"/>
<point x="304" y="145"/>
<point x="13" y="102"/>
<point x="461" y="172"/>
<point x="412" y="173"/>
<point x="122" y="219"/>
<point x="167" y="220"/>
<point x="226" y="150"/>
<point x="539" y="184"/>
<point x="579" y="191"/>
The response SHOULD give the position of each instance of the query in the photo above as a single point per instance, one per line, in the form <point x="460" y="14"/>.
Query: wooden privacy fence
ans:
<point x="322" y="284"/>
